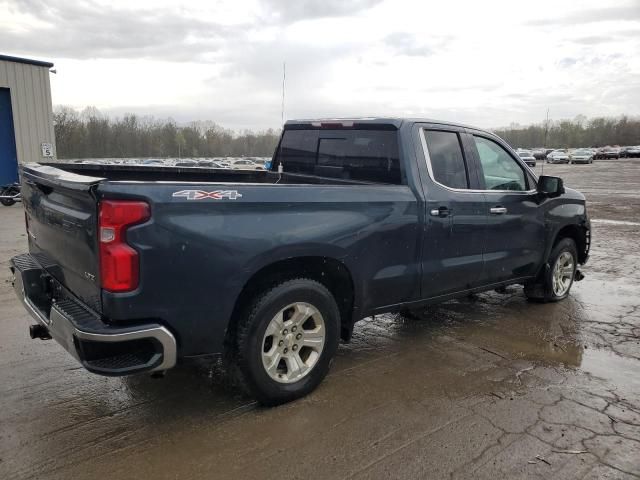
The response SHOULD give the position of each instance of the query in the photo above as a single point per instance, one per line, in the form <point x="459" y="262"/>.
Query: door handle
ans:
<point x="498" y="210"/>
<point x="439" y="212"/>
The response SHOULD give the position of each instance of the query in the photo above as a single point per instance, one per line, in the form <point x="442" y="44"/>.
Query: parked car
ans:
<point x="539" y="153"/>
<point x="630" y="152"/>
<point x="185" y="163"/>
<point x="558" y="156"/>
<point x="610" y="152"/>
<point x="246" y="164"/>
<point x="272" y="269"/>
<point x="211" y="164"/>
<point x="153" y="161"/>
<point x="527" y="157"/>
<point x="581" y="155"/>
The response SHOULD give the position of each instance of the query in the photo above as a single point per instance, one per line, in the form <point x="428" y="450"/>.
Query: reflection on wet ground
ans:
<point x="489" y="386"/>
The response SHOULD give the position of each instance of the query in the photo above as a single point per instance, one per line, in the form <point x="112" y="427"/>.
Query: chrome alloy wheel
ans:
<point x="293" y="342"/>
<point x="562" y="276"/>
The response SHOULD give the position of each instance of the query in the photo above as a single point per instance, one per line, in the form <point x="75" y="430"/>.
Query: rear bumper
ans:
<point x="99" y="347"/>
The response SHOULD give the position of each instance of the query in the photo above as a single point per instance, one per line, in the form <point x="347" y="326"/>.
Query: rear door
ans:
<point x="514" y="238"/>
<point x="61" y="215"/>
<point x="455" y="214"/>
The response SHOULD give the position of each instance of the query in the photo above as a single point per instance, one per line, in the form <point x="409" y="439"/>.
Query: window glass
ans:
<point x="501" y="171"/>
<point x="366" y="155"/>
<point x="447" y="162"/>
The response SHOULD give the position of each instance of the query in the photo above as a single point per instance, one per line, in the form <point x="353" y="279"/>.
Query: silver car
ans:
<point x="581" y="155"/>
<point x="527" y="157"/>
<point x="558" y="156"/>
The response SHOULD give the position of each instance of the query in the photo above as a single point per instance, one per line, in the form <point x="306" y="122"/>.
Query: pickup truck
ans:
<point x="133" y="268"/>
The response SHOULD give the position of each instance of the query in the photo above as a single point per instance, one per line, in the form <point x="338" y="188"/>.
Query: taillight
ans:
<point x="119" y="263"/>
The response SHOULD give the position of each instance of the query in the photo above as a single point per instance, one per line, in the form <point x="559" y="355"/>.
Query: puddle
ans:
<point x="617" y="370"/>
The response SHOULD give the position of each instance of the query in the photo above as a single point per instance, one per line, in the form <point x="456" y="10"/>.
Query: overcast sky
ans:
<point x="488" y="63"/>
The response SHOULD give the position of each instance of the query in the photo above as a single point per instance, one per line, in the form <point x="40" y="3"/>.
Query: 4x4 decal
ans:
<point x="201" y="194"/>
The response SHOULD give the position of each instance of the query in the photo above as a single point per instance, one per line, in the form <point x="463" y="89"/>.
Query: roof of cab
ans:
<point x="353" y="121"/>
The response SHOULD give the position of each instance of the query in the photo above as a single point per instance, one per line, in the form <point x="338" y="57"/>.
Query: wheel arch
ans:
<point x="580" y="234"/>
<point x="328" y="271"/>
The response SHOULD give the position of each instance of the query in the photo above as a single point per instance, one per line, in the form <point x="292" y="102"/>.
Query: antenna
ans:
<point x="284" y="76"/>
<point x="546" y="131"/>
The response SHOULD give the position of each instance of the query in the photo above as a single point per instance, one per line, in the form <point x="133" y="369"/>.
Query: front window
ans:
<point x="501" y="171"/>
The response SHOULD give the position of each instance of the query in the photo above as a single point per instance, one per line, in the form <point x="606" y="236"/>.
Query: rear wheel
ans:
<point x="286" y="341"/>
<point x="556" y="282"/>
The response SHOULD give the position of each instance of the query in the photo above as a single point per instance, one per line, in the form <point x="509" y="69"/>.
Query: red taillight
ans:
<point x="119" y="264"/>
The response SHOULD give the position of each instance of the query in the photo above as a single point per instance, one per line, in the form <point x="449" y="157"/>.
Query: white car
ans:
<point x="245" y="164"/>
<point x="558" y="156"/>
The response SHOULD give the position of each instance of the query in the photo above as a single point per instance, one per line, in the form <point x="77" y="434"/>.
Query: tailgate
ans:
<point x="61" y="213"/>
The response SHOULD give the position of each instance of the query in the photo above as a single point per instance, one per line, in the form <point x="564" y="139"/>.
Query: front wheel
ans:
<point x="556" y="282"/>
<point x="285" y="342"/>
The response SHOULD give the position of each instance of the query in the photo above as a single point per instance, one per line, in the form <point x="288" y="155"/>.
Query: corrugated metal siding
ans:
<point x="32" y="110"/>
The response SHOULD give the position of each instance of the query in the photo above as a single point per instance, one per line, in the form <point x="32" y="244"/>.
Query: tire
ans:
<point x="7" y="202"/>
<point x="294" y="299"/>
<point x="546" y="288"/>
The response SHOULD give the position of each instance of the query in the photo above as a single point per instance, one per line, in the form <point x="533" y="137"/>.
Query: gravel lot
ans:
<point x="485" y="387"/>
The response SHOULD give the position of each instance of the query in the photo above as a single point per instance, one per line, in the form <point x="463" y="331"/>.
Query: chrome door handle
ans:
<point x="439" y="212"/>
<point x="498" y="210"/>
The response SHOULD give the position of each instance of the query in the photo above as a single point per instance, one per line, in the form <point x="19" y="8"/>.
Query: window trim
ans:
<point x="427" y="157"/>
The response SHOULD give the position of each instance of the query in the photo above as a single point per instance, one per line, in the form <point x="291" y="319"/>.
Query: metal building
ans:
<point x="26" y="115"/>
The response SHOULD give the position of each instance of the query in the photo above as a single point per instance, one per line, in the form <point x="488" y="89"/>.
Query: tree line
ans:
<point x="579" y="132"/>
<point x="91" y="134"/>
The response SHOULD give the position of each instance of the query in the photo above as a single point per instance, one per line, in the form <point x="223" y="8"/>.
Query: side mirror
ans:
<point x="550" y="186"/>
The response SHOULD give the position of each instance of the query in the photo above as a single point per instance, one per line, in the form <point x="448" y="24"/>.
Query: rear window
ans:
<point x="365" y="155"/>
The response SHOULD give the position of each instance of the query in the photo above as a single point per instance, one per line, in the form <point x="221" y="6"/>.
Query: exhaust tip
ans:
<point x="39" y="331"/>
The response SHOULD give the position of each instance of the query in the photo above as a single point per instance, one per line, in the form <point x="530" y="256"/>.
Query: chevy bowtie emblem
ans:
<point x="201" y="194"/>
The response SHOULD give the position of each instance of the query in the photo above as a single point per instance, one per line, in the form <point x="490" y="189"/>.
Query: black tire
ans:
<point x="247" y="344"/>
<point x="7" y="202"/>
<point x="542" y="290"/>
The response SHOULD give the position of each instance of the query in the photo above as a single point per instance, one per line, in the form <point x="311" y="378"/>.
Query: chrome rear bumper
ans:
<point x="99" y="347"/>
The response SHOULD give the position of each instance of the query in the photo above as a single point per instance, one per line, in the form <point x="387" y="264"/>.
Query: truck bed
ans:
<point x="143" y="173"/>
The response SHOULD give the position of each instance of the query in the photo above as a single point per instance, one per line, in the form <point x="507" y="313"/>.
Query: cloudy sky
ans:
<point x="487" y="63"/>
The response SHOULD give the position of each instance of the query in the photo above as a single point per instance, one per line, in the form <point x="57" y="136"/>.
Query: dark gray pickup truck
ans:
<point x="131" y="268"/>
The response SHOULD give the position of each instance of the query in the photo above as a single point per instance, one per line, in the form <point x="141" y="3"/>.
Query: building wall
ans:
<point x="31" y="105"/>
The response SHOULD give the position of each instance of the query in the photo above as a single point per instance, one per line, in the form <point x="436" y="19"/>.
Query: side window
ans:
<point x="500" y="170"/>
<point x="447" y="163"/>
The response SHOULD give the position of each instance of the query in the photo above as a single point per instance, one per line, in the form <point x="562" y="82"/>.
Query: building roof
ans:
<point x="29" y="61"/>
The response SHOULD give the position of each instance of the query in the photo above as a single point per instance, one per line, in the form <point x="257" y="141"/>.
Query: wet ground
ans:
<point x="486" y="387"/>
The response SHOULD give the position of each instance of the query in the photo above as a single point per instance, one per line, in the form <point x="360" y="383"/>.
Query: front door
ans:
<point x="455" y="218"/>
<point x="515" y="235"/>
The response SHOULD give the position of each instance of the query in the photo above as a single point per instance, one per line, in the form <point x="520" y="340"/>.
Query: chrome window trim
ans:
<point x="427" y="157"/>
